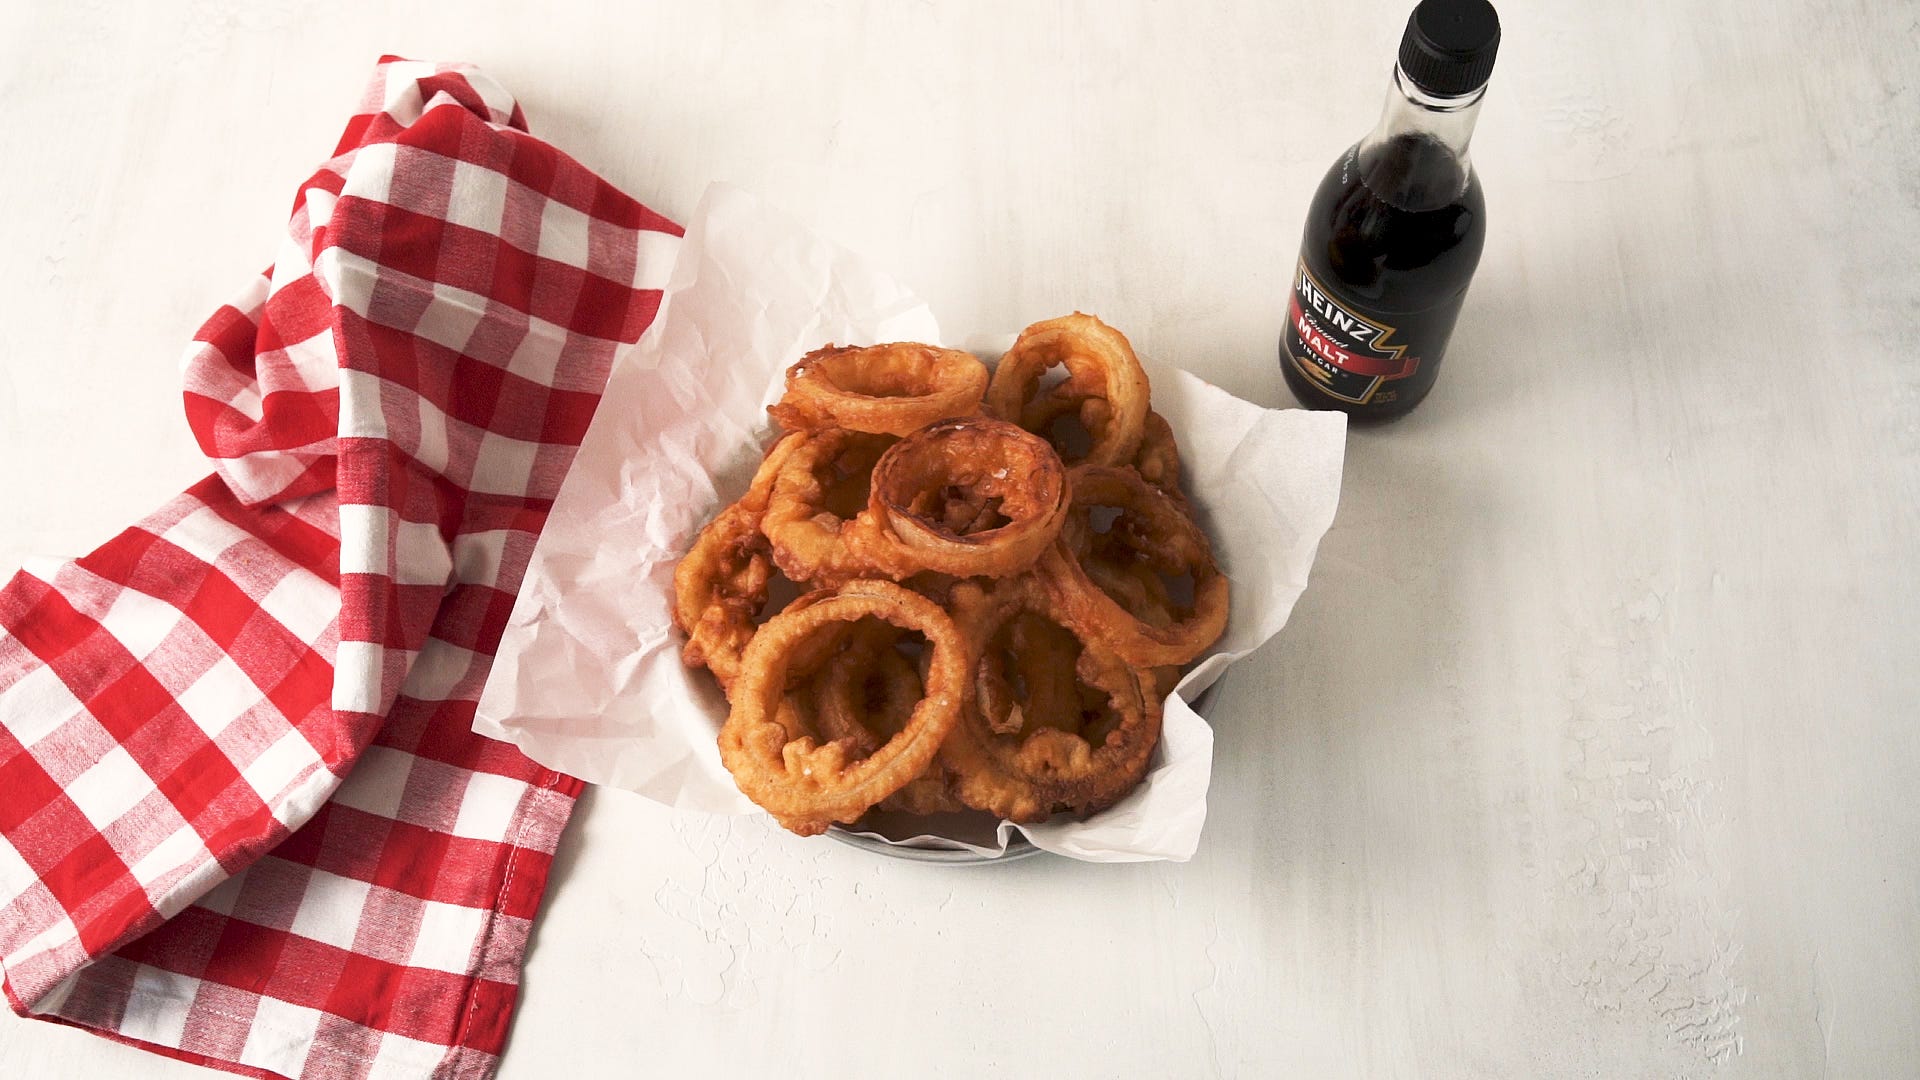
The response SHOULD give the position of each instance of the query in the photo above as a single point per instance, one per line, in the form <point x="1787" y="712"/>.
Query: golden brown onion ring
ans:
<point x="1157" y="461"/>
<point x="804" y="783"/>
<point x="721" y="583"/>
<point x="883" y="389"/>
<point x="1106" y="380"/>
<point x="1154" y="527"/>
<point x="866" y="695"/>
<point x="809" y="541"/>
<point x="1134" y="584"/>
<point x="970" y="496"/>
<point x="1044" y="755"/>
<point x="1032" y="683"/>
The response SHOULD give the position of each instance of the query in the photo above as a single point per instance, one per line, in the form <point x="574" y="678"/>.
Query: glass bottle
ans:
<point x="1395" y="230"/>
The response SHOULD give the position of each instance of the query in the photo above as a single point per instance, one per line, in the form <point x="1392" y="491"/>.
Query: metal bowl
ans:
<point x="938" y="838"/>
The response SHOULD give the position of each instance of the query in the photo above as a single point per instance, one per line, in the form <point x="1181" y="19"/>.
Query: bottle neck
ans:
<point x="1416" y="156"/>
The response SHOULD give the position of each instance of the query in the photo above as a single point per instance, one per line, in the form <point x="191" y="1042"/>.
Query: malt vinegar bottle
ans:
<point x="1395" y="229"/>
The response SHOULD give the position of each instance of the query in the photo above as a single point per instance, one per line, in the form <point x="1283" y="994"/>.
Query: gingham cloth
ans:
<point x="243" y="819"/>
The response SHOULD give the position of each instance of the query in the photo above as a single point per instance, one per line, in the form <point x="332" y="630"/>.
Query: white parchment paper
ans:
<point x="588" y="679"/>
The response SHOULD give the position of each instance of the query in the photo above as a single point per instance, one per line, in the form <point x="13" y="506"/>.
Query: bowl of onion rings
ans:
<point x="952" y="597"/>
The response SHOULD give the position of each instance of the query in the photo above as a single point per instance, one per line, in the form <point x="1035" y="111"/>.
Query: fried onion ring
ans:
<point x="1044" y="752"/>
<point x="1162" y="538"/>
<point x="1105" y="380"/>
<point x="1131" y="582"/>
<point x="882" y="389"/>
<point x="1157" y="461"/>
<point x="721" y="583"/>
<point x="1135" y="585"/>
<point x="969" y="496"/>
<point x="807" y="538"/>
<point x="866" y="695"/>
<point x="804" y="783"/>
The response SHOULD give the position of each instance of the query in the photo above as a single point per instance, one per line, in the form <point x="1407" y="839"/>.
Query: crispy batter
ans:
<point x="866" y="695"/>
<point x="722" y="582"/>
<point x="883" y="389"/>
<point x="1164" y="540"/>
<point x="1104" y="377"/>
<point x="1080" y="752"/>
<point x="804" y="783"/>
<point x="1157" y="461"/>
<point x="808" y="540"/>
<point x="967" y="496"/>
<point x="971" y="497"/>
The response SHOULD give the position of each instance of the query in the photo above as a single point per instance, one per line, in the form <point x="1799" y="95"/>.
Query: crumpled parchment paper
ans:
<point x="588" y="678"/>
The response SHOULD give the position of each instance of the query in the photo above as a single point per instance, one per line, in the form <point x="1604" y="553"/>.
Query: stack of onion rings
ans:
<point x="997" y="608"/>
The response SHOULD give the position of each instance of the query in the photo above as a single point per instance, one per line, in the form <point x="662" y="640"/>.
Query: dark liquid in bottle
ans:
<point x="1391" y="242"/>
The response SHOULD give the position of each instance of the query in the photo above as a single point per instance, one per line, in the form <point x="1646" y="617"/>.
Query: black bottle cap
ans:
<point x="1449" y="45"/>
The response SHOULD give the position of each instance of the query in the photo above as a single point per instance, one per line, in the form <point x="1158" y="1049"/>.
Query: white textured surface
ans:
<point x="1590" y="751"/>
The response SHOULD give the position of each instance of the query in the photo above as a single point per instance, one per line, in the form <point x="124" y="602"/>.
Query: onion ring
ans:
<point x="866" y="695"/>
<point x="1158" y="458"/>
<point x="1140" y="590"/>
<point x="805" y="784"/>
<point x="1165" y="679"/>
<point x="1041" y="758"/>
<point x="882" y="389"/>
<point x="1153" y="526"/>
<point x="1103" y="373"/>
<point x="969" y="496"/>
<point x="1157" y="461"/>
<point x="1035" y="686"/>
<point x="721" y="583"/>
<point x="809" y="541"/>
<point x="1131" y="582"/>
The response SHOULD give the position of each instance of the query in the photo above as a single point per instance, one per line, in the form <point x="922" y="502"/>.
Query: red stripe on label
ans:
<point x="1321" y="345"/>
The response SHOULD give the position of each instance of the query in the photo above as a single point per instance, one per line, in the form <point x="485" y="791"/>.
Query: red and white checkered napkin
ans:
<point x="391" y="409"/>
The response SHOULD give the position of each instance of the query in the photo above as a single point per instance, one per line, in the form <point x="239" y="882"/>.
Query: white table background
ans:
<point x="1590" y="752"/>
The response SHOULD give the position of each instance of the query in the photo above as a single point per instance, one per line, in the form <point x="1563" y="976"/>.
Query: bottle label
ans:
<point x="1347" y="355"/>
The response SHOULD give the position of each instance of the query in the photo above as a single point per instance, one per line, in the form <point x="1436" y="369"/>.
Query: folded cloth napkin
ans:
<point x="243" y="818"/>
